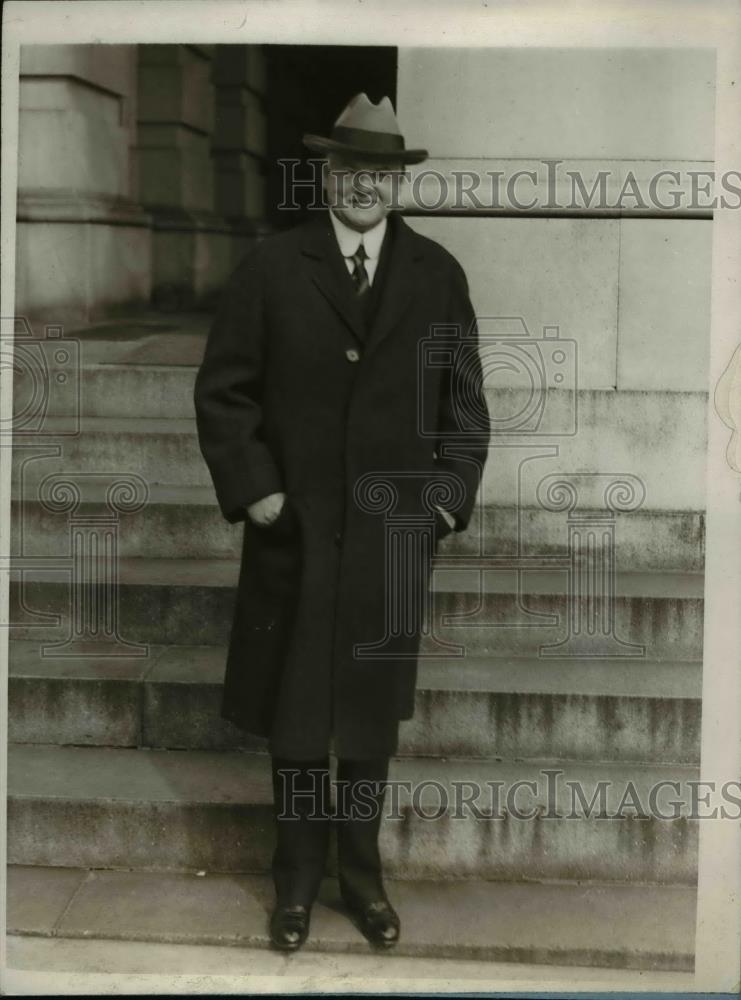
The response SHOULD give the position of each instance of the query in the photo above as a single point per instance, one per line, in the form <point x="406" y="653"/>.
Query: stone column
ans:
<point x="83" y="240"/>
<point x="192" y="242"/>
<point x="239" y="141"/>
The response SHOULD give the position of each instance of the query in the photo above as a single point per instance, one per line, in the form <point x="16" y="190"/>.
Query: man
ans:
<point x="314" y="406"/>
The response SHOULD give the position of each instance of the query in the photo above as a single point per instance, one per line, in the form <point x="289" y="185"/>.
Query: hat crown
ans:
<point x="369" y="131"/>
<point x="361" y="113"/>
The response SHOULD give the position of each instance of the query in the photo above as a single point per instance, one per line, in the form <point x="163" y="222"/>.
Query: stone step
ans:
<point x="609" y="926"/>
<point x="112" y="389"/>
<point x="655" y="438"/>
<point x="190" y="602"/>
<point x="185" y="522"/>
<point x="144" y="365"/>
<point x="191" y="810"/>
<point x="122" y="367"/>
<point x="478" y="707"/>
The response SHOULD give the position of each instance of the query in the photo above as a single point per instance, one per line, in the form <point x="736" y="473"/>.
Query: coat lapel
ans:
<point x="330" y="275"/>
<point x="402" y="281"/>
<point x="329" y="272"/>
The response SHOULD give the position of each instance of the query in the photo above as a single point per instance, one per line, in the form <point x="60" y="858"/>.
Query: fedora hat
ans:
<point x="367" y="130"/>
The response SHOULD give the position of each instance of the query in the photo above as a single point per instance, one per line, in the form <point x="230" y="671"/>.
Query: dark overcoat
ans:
<point x="366" y="428"/>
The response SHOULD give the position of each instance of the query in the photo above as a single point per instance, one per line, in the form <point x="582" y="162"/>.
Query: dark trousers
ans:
<point x="304" y="814"/>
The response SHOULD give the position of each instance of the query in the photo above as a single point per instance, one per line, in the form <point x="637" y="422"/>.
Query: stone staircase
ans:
<point x="136" y="813"/>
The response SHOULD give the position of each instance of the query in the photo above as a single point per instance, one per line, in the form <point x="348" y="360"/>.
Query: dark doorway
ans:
<point x="307" y="88"/>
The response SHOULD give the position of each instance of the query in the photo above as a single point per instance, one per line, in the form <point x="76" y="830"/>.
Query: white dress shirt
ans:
<point x="349" y="241"/>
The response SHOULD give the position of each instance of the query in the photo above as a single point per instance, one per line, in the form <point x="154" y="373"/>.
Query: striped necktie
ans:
<point x="360" y="275"/>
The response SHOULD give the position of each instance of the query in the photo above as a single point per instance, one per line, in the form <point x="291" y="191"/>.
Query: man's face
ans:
<point x="361" y="193"/>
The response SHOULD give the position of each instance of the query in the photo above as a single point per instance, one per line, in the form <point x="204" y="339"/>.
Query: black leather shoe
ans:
<point x="378" y="921"/>
<point x="289" y="927"/>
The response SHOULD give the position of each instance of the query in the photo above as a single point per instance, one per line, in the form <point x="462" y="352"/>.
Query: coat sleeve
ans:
<point x="227" y="396"/>
<point x="463" y="420"/>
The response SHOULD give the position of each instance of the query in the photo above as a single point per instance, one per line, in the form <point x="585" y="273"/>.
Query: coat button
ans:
<point x="352" y="355"/>
<point x="338" y="538"/>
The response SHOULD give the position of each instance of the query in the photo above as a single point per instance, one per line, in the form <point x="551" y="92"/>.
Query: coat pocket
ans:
<point x="276" y="554"/>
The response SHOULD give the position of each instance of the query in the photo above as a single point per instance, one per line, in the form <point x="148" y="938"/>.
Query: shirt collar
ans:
<point x="349" y="239"/>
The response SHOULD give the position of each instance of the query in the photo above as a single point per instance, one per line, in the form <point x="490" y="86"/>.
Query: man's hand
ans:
<point x="265" y="511"/>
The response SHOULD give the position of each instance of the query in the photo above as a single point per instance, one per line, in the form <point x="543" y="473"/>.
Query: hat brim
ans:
<point x="322" y="144"/>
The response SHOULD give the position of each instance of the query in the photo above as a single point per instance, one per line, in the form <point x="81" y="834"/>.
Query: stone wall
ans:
<point x="139" y="176"/>
<point x="629" y="287"/>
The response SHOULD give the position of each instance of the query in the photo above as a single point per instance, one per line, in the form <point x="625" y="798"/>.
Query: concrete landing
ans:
<point x="613" y="926"/>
